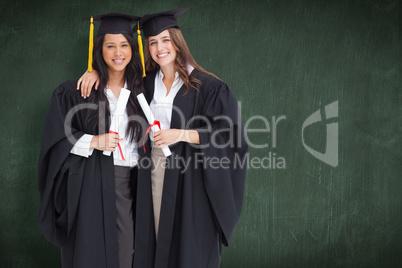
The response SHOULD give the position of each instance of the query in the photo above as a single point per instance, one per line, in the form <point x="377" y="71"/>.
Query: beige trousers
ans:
<point x="157" y="178"/>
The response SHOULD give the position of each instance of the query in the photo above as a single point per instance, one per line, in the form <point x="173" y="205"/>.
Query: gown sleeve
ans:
<point x="81" y="147"/>
<point x="223" y="138"/>
<point x="56" y="165"/>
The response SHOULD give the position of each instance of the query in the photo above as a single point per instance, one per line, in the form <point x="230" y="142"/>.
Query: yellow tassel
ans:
<point x="91" y="44"/>
<point x="140" y="48"/>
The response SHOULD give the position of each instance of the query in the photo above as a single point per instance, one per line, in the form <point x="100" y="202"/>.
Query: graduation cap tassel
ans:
<point x="141" y="49"/>
<point x="91" y="44"/>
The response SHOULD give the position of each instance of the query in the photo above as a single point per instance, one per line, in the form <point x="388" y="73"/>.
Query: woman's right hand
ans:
<point x="105" y="142"/>
<point x="86" y="81"/>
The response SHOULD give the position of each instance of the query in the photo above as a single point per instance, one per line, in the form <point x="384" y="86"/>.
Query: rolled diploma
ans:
<point x="150" y="117"/>
<point x="121" y="106"/>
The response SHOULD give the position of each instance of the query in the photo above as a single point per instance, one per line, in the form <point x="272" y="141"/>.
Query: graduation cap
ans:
<point x="113" y="23"/>
<point x="153" y="24"/>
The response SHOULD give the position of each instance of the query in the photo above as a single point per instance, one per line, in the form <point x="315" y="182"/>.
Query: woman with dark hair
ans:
<point x="86" y="203"/>
<point x="188" y="204"/>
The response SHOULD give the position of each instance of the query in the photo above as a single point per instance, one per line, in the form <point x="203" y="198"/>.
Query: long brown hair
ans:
<point x="183" y="58"/>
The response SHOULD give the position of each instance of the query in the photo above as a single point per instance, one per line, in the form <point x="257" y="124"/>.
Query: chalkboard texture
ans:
<point x="320" y="93"/>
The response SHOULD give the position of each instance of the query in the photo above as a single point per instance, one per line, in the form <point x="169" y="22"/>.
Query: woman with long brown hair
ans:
<point x="86" y="204"/>
<point x="188" y="204"/>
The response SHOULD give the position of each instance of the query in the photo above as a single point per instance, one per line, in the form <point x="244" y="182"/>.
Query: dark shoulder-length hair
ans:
<point x="183" y="59"/>
<point x="134" y="80"/>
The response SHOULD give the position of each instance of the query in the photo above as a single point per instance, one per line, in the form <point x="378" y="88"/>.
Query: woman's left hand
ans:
<point x="167" y="137"/>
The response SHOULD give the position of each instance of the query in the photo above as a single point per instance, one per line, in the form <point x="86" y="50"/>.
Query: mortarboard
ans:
<point x="153" y="24"/>
<point x="113" y="23"/>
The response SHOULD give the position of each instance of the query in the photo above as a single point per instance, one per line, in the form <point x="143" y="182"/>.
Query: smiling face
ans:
<point x="116" y="52"/>
<point x="162" y="50"/>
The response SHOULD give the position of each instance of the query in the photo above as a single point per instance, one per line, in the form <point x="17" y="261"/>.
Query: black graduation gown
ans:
<point x="200" y="205"/>
<point x="77" y="194"/>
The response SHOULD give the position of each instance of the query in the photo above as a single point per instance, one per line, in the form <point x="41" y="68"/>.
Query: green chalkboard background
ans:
<point x="282" y="58"/>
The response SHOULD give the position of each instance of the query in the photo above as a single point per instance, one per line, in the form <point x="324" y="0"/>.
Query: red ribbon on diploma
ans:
<point x="156" y="123"/>
<point x="121" y="152"/>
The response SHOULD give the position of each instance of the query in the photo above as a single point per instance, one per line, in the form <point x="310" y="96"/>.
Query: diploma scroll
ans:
<point x="151" y="119"/>
<point x="121" y="106"/>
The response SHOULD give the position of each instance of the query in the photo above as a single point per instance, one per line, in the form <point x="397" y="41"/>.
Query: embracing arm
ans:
<point x="86" y="82"/>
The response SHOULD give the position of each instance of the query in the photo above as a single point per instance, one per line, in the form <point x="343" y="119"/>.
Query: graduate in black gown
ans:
<point x="86" y="197"/>
<point x="189" y="203"/>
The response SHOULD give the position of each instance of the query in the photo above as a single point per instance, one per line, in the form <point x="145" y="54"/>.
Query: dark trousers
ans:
<point x="125" y="223"/>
